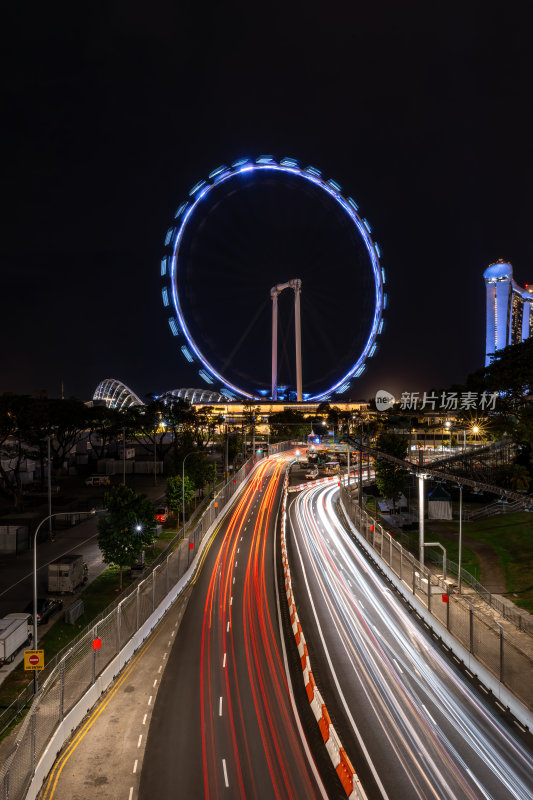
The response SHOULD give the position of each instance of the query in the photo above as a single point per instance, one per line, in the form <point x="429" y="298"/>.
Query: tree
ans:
<point x="127" y="529"/>
<point x="175" y="488"/>
<point x="67" y="421"/>
<point x="518" y="477"/>
<point x="200" y="470"/>
<point x="288" y="424"/>
<point x="15" y="431"/>
<point x="391" y="478"/>
<point x="205" y="425"/>
<point x="105" y="425"/>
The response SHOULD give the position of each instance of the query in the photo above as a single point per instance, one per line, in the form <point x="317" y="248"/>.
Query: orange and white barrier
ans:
<point x="342" y="764"/>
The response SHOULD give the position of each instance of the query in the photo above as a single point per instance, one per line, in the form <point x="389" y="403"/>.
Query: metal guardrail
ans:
<point x="499" y="651"/>
<point x="509" y="611"/>
<point x="71" y="674"/>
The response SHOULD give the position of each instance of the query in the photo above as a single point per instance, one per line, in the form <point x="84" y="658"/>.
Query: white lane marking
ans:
<point x="150" y="700"/>
<point x="131" y="793"/>
<point x="336" y="680"/>
<point x="227" y="627"/>
<point x="172" y="632"/>
<point x="155" y="683"/>
<point x="233" y="580"/>
<point x="144" y="719"/>
<point x="160" y="667"/>
<point x="164" y="655"/>
<point x="225" y="773"/>
<point x="224" y="661"/>
<point x="220" y="707"/>
<point x="429" y="715"/>
<point x="135" y="766"/>
<point x="140" y="740"/>
<point x="231" y="601"/>
<point x="399" y="668"/>
<point x="235" y="563"/>
<point x="169" y="642"/>
<point x="303" y="737"/>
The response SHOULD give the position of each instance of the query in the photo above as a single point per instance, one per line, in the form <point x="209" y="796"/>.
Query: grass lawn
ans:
<point x="96" y="597"/>
<point x="511" y="536"/>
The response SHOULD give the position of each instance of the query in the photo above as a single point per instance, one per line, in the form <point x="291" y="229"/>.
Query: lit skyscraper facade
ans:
<point x="509" y="309"/>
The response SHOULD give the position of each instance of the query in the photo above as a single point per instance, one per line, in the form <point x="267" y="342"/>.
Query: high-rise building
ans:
<point x="509" y="309"/>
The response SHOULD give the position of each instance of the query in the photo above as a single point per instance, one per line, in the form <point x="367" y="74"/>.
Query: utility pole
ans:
<point x="460" y="559"/>
<point x="421" y="477"/>
<point x="50" y="527"/>
<point x="226" y="468"/>
<point x="124" y="456"/>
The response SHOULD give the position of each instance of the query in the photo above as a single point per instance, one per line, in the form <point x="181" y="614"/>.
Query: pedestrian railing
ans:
<point x="497" y="649"/>
<point x="68" y="677"/>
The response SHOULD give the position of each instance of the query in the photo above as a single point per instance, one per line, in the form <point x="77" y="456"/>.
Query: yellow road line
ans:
<point x="61" y="762"/>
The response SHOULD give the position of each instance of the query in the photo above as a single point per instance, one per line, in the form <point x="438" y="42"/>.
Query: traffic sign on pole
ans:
<point x="33" y="659"/>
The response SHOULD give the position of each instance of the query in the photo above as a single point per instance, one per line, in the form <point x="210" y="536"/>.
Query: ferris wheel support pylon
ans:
<point x="296" y="284"/>
<point x="173" y="262"/>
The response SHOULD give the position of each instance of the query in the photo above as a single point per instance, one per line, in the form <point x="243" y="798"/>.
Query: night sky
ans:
<point x="114" y="110"/>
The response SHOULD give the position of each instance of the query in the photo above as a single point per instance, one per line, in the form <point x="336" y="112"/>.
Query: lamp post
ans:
<point x="49" y="477"/>
<point x="124" y="456"/>
<point x="348" y="460"/>
<point x="448" y="426"/>
<point x="38" y="528"/>
<point x="183" y="486"/>
<point x="460" y="558"/>
<point x="421" y="477"/>
<point x="226" y="454"/>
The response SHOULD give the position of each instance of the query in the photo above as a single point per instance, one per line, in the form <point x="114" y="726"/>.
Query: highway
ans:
<point x="223" y="722"/>
<point x="410" y="722"/>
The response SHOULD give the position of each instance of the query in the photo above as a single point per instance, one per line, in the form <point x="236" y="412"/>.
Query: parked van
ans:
<point x="98" y="480"/>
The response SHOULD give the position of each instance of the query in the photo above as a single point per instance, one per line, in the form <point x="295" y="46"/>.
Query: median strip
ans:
<point x="342" y="764"/>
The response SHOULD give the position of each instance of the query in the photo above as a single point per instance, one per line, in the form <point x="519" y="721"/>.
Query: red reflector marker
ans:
<point x="97" y="644"/>
<point x="191" y="545"/>
<point x="445" y="598"/>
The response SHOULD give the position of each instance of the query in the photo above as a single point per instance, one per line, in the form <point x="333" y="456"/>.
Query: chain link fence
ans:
<point x="481" y="635"/>
<point x="72" y="672"/>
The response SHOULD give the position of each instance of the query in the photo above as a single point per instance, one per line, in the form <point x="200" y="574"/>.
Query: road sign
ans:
<point x="33" y="659"/>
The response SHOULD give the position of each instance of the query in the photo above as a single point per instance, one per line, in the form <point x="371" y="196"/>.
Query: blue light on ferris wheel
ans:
<point x="312" y="174"/>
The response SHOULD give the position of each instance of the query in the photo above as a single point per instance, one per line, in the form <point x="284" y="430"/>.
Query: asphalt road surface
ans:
<point x="223" y="723"/>
<point x="409" y="720"/>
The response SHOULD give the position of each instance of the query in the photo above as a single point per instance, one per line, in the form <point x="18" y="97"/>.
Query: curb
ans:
<point x="342" y="764"/>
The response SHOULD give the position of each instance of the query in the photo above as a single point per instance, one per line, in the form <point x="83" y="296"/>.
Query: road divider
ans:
<point x="341" y="763"/>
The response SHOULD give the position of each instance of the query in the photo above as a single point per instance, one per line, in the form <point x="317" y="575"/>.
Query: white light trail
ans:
<point x="442" y="736"/>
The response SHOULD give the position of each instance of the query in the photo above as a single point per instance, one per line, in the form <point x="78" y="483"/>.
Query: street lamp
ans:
<point x="183" y="486"/>
<point x="41" y="523"/>
<point x="448" y="426"/>
<point x="460" y="564"/>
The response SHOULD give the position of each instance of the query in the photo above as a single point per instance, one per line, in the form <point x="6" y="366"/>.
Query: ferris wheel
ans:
<point x="188" y="221"/>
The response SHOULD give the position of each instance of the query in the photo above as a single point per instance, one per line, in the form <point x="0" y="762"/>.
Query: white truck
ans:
<point x="14" y="634"/>
<point x="65" y="574"/>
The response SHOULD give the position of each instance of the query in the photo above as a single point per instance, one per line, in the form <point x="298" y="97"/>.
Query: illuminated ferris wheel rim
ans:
<point x="174" y="237"/>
